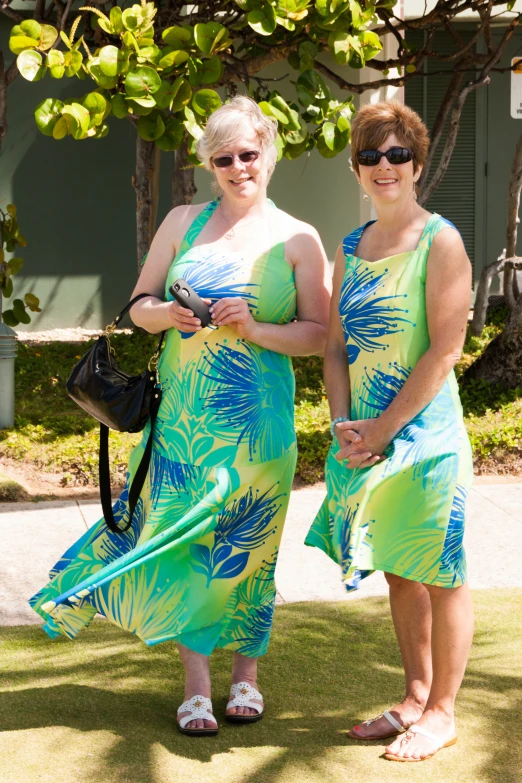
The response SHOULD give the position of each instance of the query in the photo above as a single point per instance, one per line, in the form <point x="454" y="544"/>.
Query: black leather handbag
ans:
<point x="120" y="402"/>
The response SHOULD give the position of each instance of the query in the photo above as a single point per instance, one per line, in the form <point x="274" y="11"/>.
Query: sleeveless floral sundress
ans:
<point x="404" y="515"/>
<point x="197" y="566"/>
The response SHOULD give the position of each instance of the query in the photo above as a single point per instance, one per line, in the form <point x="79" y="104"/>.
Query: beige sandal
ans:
<point x="410" y="734"/>
<point x="396" y="726"/>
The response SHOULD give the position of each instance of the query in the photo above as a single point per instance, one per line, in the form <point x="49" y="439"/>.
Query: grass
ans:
<point x="52" y="434"/>
<point x="102" y="708"/>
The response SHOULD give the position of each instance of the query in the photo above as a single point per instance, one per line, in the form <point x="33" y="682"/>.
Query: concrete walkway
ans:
<point x="35" y="535"/>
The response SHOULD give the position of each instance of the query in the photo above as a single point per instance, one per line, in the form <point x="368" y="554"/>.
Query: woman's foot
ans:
<point x="244" y="671"/>
<point x="416" y="746"/>
<point x="245" y="704"/>
<point x="405" y="714"/>
<point x="197" y="683"/>
<point x="199" y="708"/>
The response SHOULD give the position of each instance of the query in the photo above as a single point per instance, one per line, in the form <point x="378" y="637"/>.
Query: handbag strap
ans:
<point x="139" y="477"/>
<point x="110" y="329"/>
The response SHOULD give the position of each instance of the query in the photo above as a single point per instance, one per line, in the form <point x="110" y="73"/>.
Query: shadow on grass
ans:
<point x="329" y="666"/>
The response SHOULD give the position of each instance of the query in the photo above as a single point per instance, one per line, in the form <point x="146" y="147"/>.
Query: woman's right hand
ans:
<point x="183" y="319"/>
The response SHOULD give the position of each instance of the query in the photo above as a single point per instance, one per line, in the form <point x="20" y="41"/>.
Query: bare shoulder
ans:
<point x="301" y="239"/>
<point x="447" y="239"/>
<point x="179" y="219"/>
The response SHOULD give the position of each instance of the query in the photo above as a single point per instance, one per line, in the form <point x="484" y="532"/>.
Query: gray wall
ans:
<point x="76" y="205"/>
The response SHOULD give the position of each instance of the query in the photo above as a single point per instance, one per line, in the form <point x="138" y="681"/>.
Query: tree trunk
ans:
<point x="183" y="186"/>
<point x="3" y="99"/>
<point x="515" y="186"/>
<point x="501" y="362"/>
<point x="145" y="184"/>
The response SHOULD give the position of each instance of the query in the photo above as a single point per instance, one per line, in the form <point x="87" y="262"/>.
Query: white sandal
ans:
<point x="198" y="707"/>
<point x="396" y="726"/>
<point x="437" y="741"/>
<point x="241" y="695"/>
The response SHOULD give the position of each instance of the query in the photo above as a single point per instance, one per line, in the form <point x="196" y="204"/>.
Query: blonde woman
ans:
<point x="400" y="464"/>
<point x="197" y="565"/>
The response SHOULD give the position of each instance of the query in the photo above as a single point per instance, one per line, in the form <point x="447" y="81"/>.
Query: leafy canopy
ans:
<point x="164" y="77"/>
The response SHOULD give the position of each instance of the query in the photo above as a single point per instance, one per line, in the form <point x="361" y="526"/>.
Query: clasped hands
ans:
<point x="230" y="311"/>
<point x="362" y="443"/>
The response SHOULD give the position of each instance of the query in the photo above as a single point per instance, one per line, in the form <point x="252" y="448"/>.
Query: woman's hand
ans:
<point x="183" y="319"/>
<point x="362" y="442"/>
<point x="234" y="312"/>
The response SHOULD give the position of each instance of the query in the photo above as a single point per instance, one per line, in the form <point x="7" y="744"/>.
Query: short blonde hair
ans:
<point x="373" y="123"/>
<point x="230" y="122"/>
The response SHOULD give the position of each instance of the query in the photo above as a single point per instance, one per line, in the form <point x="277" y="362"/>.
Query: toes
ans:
<point x="232" y="711"/>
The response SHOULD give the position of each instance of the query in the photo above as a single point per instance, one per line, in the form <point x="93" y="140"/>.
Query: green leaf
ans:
<point x="132" y="18"/>
<point x="112" y="60"/>
<point x="47" y="114"/>
<point x="174" y="58"/>
<point x="288" y="24"/>
<point x="178" y="37"/>
<point x="31" y="28"/>
<point x="211" y="70"/>
<point x="263" y="20"/>
<point x="8" y="317"/>
<point x="205" y="102"/>
<point x="149" y="102"/>
<point x="329" y="135"/>
<point x="340" y="46"/>
<point x="299" y="136"/>
<point x="322" y="7"/>
<point x="311" y="89"/>
<point x="136" y="108"/>
<point x="11" y="210"/>
<point x="48" y="37"/>
<point x="116" y="19"/>
<point x="120" y="107"/>
<point x="272" y="111"/>
<point x="182" y="94"/>
<point x="211" y="37"/>
<point x="21" y="43"/>
<point x="73" y="62"/>
<point x="56" y="63"/>
<point x="195" y="70"/>
<point x="32" y="302"/>
<point x="371" y="44"/>
<point x="151" y="127"/>
<point x="293" y="151"/>
<point x="96" y="105"/>
<point x="14" y="265"/>
<point x="7" y="288"/>
<point x="65" y="38"/>
<point x="98" y="132"/>
<point x="173" y="136"/>
<point x="82" y="117"/>
<point x="410" y="68"/>
<point x="30" y="65"/>
<point x="195" y="130"/>
<point x="141" y="82"/>
<point x="20" y="312"/>
<point x="101" y="79"/>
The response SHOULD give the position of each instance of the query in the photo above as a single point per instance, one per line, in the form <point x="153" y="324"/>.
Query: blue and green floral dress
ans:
<point x="197" y="565"/>
<point x="404" y="515"/>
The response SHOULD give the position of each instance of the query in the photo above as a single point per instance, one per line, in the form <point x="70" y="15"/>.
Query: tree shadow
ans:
<point x="329" y="666"/>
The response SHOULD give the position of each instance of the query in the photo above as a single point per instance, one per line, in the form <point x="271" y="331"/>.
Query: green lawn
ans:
<point x="53" y="434"/>
<point x="101" y="709"/>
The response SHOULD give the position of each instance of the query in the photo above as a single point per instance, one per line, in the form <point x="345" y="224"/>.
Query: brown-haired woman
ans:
<point x="400" y="463"/>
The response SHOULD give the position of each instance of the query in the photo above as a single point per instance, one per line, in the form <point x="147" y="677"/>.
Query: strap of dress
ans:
<point x="196" y="227"/>
<point x="435" y="224"/>
<point x="351" y="241"/>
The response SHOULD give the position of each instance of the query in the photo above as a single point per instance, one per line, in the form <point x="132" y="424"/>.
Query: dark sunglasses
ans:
<point x="224" y="161"/>
<point x="395" y="156"/>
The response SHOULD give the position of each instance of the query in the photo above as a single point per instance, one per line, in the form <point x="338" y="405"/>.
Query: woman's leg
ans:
<point x="197" y="682"/>
<point x="244" y="669"/>
<point x="411" y="613"/>
<point x="451" y="637"/>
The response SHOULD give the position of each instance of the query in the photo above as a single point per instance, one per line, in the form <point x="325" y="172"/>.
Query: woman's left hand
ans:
<point x="372" y="439"/>
<point x="234" y="312"/>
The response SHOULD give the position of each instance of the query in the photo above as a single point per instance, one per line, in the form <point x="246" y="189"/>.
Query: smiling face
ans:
<point x="243" y="181"/>
<point x="386" y="182"/>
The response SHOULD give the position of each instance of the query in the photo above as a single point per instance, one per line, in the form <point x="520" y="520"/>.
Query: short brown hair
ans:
<point x="374" y="122"/>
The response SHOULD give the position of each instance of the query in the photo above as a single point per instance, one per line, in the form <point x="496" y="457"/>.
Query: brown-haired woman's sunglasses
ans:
<point x="395" y="156"/>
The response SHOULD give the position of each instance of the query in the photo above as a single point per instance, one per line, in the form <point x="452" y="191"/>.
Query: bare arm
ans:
<point x="448" y="287"/>
<point x="336" y="372"/>
<point x="153" y="313"/>
<point x="305" y="336"/>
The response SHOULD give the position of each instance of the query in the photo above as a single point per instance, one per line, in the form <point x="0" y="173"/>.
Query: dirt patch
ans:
<point x="39" y="485"/>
